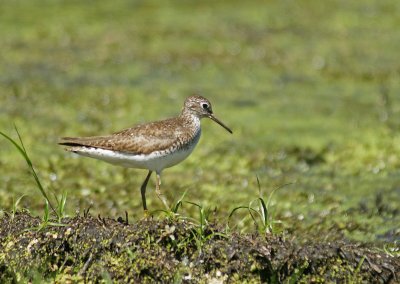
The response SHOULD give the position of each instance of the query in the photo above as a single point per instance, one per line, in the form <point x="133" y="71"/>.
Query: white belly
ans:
<point x="155" y="161"/>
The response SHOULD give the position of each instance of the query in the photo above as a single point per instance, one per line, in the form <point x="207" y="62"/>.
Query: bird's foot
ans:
<point x="146" y="215"/>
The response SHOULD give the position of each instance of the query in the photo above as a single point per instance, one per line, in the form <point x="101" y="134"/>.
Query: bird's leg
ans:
<point x="158" y="191"/>
<point x="143" y="191"/>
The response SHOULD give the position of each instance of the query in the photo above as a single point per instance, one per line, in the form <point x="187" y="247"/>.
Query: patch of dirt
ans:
<point x="90" y="249"/>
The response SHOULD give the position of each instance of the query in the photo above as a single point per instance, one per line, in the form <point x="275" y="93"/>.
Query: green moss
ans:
<point x="92" y="250"/>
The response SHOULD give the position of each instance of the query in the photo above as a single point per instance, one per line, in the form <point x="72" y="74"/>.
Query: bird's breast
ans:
<point x="181" y="151"/>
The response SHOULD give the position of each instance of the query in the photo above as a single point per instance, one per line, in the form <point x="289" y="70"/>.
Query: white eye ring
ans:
<point x="205" y="106"/>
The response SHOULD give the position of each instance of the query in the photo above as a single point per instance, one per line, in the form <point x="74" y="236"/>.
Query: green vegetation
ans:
<point x="261" y="216"/>
<point x="59" y="210"/>
<point x="309" y="88"/>
<point x="89" y="249"/>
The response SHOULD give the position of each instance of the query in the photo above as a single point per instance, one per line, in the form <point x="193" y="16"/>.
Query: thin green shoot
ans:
<point x="392" y="249"/>
<point x="354" y="278"/>
<point x="261" y="215"/>
<point x="15" y="206"/>
<point x="173" y="212"/>
<point x="21" y="149"/>
<point x="46" y="221"/>
<point x="61" y="205"/>
<point x="200" y="234"/>
<point x="179" y="203"/>
<point x="360" y="263"/>
<point x="202" y="218"/>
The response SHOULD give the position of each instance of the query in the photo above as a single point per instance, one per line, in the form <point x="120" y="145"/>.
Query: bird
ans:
<point x="153" y="146"/>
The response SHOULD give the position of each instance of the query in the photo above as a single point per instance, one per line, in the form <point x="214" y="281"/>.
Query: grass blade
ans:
<point x="235" y="209"/>
<point x="275" y="189"/>
<point x="264" y="211"/>
<point x="21" y="149"/>
<point x="179" y="203"/>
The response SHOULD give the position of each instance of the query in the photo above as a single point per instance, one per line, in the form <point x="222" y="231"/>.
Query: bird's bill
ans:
<point x="220" y="123"/>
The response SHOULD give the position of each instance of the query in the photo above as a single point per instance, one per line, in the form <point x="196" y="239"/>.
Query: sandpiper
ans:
<point x="153" y="146"/>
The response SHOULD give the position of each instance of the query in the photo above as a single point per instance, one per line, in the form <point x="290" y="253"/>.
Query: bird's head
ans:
<point x="201" y="107"/>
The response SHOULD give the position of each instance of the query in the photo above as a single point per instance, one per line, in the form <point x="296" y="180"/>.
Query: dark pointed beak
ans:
<point x="219" y="122"/>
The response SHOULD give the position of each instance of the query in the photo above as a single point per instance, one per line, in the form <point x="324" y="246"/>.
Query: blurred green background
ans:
<point x="310" y="89"/>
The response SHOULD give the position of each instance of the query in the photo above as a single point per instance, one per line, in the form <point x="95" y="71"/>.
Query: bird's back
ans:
<point x="140" y="139"/>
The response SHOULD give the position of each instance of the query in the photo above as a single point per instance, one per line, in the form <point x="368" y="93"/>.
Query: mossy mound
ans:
<point x="93" y="249"/>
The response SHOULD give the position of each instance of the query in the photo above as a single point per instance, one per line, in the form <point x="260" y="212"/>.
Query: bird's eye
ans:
<point x="205" y="106"/>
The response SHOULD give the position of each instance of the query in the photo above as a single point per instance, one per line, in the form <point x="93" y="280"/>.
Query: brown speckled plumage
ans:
<point x="143" y="138"/>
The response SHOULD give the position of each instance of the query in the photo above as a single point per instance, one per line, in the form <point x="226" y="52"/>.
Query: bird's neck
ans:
<point x="190" y="119"/>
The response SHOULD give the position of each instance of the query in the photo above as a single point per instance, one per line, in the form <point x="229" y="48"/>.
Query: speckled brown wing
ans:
<point x="140" y="139"/>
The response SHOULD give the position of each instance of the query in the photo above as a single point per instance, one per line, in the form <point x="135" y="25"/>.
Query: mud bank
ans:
<point x="91" y="249"/>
